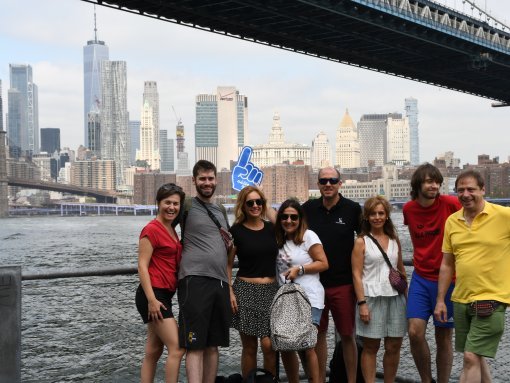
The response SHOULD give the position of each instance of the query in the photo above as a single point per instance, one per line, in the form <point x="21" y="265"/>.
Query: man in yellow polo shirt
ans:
<point x="476" y="247"/>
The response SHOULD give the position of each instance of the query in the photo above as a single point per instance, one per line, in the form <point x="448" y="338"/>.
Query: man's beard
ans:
<point x="208" y="194"/>
<point x="428" y="195"/>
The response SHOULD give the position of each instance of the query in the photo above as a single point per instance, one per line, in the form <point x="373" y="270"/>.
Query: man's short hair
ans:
<point x="329" y="167"/>
<point x="203" y="165"/>
<point x="420" y="175"/>
<point x="471" y="173"/>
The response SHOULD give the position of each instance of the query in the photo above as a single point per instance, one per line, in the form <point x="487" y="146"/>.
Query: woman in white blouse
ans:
<point x="381" y="310"/>
<point x="300" y="259"/>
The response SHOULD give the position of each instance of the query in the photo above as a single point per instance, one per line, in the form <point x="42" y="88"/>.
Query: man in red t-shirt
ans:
<point x="425" y="216"/>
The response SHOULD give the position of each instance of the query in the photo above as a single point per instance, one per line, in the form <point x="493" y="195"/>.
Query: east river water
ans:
<point x="87" y="329"/>
<point x="77" y="329"/>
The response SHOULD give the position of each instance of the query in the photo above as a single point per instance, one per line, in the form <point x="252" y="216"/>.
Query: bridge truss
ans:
<point x="415" y="39"/>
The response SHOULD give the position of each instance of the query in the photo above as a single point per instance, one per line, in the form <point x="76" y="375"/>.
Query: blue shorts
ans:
<point x="421" y="300"/>
<point x="316" y="316"/>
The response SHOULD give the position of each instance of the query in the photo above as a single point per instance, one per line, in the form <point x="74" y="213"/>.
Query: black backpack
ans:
<point x="337" y="372"/>
<point x="260" y="375"/>
<point x="234" y="378"/>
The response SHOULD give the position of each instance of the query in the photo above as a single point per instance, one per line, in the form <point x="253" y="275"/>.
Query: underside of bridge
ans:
<point x="347" y="32"/>
<point x="102" y="196"/>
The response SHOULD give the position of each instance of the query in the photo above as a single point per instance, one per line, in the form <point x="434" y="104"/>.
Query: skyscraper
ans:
<point x="149" y="148"/>
<point x="221" y="126"/>
<point x="179" y="134"/>
<point x="23" y="112"/>
<point x="412" y="115"/>
<point x="166" y="150"/>
<point x="149" y="127"/>
<point x="398" y="149"/>
<point x="1" y="108"/>
<point x="93" y="53"/>
<point x="94" y="130"/>
<point x="321" y="151"/>
<point x="134" y="134"/>
<point x="50" y="140"/>
<point x="4" y="188"/>
<point x="372" y="139"/>
<point x="182" y="156"/>
<point x="151" y="96"/>
<point x="114" y="116"/>
<point x="347" y="144"/>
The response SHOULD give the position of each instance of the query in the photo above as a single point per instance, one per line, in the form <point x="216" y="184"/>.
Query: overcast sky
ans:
<point x="310" y="94"/>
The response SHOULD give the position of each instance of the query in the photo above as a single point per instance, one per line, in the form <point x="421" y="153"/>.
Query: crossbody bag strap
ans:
<point x="209" y="213"/>
<point x="224" y="211"/>
<point x="184" y="217"/>
<point x="381" y="249"/>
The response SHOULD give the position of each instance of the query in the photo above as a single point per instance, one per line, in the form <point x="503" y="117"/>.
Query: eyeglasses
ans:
<point x="332" y="181"/>
<point x="293" y="217"/>
<point x="252" y="202"/>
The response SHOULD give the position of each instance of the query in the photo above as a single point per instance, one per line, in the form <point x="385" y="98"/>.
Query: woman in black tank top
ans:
<point x="255" y="285"/>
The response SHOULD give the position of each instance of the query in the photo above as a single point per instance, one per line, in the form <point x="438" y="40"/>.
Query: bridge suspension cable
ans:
<point x="486" y="15"/>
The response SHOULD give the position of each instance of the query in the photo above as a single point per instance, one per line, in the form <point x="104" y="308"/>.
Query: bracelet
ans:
<point x="362" y="302"/>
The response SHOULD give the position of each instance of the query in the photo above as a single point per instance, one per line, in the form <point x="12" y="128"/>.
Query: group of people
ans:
<point x="271" y="247"/>
<point x="336" y="251"/>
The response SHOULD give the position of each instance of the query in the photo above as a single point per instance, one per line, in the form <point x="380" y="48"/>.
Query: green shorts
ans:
<point x="480" y="336"/>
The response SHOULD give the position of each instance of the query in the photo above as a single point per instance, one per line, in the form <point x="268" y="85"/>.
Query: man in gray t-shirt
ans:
<point x="203" y="250"/>
<point x="203" y="291"/>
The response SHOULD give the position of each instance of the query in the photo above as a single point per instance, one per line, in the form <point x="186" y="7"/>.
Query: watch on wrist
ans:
<point x="362" y="302"/>
<point x="301" y="270"/>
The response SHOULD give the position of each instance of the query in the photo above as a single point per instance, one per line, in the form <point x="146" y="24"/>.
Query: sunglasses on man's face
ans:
<point x="293" y="217"/>
<point x="332" y="181"/>
<point x="252" y="202"/>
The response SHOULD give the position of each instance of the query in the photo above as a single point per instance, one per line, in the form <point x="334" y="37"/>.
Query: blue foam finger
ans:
<point x="244" y="157"/>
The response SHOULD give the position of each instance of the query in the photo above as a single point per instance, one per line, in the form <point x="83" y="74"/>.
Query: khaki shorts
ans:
<point x="478" y="335"/>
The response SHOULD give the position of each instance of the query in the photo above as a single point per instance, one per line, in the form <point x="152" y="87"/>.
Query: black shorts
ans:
<point x="205" y="314"/>
<point x="163" y="295"/>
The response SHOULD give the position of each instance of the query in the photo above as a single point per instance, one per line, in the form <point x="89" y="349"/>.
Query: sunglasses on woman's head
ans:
<point x="258" y="202"/>
<point x="332" y="181"/>
<point x="293" y="217"/>
<point x="171" y="187"/>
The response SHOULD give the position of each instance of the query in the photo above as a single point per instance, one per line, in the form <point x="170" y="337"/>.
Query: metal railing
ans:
<point x="99" y="337"/>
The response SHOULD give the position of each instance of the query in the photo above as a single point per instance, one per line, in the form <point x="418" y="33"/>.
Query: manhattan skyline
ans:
<point x="310" y="94"/>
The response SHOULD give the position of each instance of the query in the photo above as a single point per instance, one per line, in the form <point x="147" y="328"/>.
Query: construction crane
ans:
<point x="177" y="118"/>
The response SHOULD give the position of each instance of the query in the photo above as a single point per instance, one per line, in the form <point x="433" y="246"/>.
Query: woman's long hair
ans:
<point x="302" y="226"/>
<point x="369" y="207"/>
<point x="239" y="212"/>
